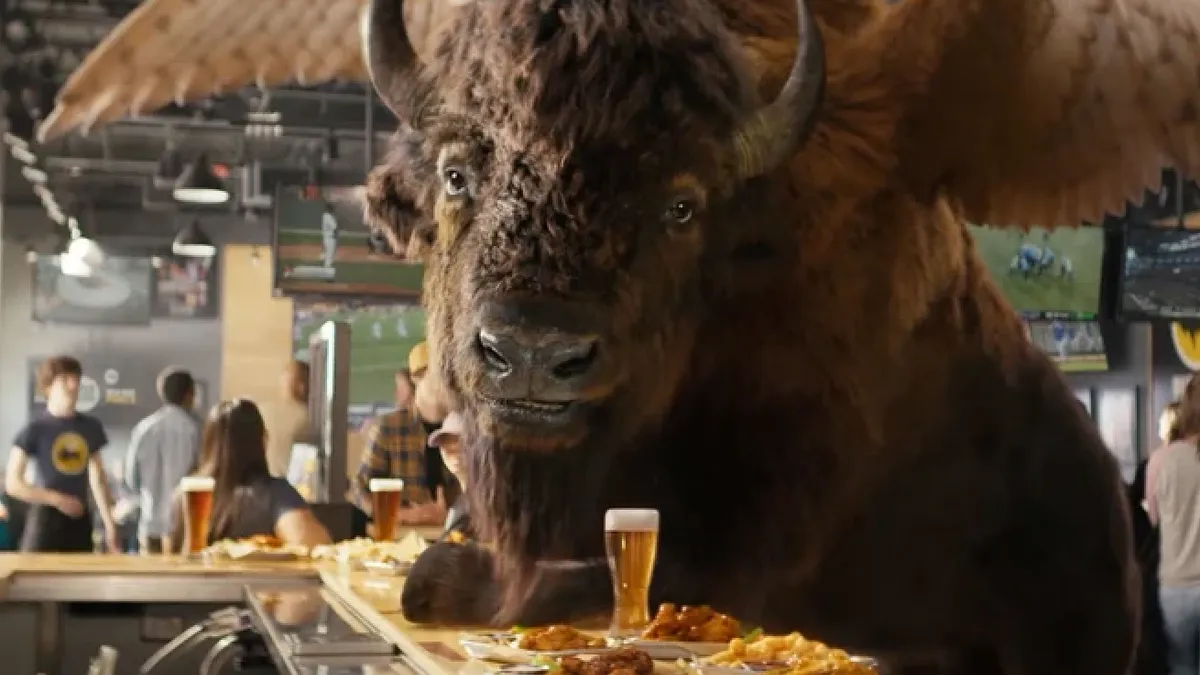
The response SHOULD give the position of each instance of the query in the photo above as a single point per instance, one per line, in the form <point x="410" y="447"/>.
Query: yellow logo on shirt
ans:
<point x="1187" y="345"/>
<point x="69" y="453"/>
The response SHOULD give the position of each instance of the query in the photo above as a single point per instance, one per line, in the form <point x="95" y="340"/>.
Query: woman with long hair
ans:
<point x="247" y="500"/>
<point x="1173" y="502"/>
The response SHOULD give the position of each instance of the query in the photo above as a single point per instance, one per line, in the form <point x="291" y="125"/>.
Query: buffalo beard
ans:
<point x="534" y="506"/>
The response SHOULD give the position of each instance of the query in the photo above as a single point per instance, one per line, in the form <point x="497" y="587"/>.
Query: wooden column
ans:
<point x="256" y="327"/>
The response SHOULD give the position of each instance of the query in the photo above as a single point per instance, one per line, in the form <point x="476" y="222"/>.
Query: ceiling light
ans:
<point x="199" y="185"/>
<point x="74" y="267"/>
<point x="193" y="242"/>
<point x="85" y="251"/>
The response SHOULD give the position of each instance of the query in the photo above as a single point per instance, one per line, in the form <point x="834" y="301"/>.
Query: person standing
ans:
<point x="1173" y="503"/>
<point x="163" y="449"/>
<point x="65" y="446"/>
<point x="288" y="423"/>
<point x="329" y="237"/>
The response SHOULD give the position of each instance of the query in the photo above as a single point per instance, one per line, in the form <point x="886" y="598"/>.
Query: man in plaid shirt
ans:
<point x="396" y="449"/>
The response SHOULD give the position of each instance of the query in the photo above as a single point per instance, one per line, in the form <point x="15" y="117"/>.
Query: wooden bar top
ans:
<point x="375" y="598"/>
<point x="90" y="563"/>
<point x="433" y="650"/>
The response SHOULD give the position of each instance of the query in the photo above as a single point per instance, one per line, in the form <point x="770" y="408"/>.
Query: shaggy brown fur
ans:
<point x="823" y="393"/>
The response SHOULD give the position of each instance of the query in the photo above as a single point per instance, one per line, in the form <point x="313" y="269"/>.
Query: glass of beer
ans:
<point x="197" y="511"/>
<point x="385" y="503"/>
<point x="631" y="543"/>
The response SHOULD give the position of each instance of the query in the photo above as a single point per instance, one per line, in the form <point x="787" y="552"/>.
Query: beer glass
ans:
<point x="631" y="543"/>
<point x="197" y="510"/>
<point x="385" y="503"/>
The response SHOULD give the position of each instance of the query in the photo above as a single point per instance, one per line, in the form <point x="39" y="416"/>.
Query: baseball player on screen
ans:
<point x="329" y="233"/>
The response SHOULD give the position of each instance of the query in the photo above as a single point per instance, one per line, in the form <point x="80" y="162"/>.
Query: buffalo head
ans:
<point x="595" y="176"/>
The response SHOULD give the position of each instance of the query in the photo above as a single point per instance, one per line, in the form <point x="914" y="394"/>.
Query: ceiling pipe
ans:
<point x="313" y="133"/>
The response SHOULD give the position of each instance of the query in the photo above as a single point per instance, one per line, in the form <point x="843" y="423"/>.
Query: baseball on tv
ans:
<point x="323" y="247"/>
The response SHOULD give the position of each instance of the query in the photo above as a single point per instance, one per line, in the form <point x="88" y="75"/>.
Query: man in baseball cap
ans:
<point x="418" y="361"/>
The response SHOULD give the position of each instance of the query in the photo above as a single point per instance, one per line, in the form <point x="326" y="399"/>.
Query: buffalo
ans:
<point x="708" y="257"/>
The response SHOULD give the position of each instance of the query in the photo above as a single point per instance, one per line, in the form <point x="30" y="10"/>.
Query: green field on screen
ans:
<point x="380" y="339"/>
<point x="398" y="276"/>
<point x="349" y="237"/>
<point x="1049" y="291"/>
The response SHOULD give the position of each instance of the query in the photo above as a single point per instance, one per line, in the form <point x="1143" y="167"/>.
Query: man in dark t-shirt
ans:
<point x="64" y="446"/>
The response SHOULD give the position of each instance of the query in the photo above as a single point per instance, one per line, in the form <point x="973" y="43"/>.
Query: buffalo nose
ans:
<point x="542" y="365"/>
<point x="560" y="357"/>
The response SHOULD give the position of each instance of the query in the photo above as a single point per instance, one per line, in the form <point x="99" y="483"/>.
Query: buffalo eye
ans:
<point x="679" y="215"/>
<point x="454" y="182"/>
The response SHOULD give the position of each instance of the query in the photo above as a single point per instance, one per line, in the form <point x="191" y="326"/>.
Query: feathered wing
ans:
<point x="1042" y="112"/>
<point x="188" y="50"/>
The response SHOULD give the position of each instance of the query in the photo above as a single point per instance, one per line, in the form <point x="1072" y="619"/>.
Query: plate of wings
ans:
<point x="523" y="646"/>
<point x="681" y="632"/>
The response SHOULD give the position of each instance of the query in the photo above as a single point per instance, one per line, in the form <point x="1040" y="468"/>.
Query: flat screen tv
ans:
<point x="185" y="288"/>
<point x="322" y="247"/>
<point x="1076" y="346"/>
<point x="381" y="336"/>
<point x="1160" y="274"/>
<point x="1045" y="274"/>
<point x="119" y="292"/>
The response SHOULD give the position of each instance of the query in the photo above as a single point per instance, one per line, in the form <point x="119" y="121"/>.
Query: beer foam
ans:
<point x="196" y="484"/>
<point x="631" y="520"/>
<point x="385" y="485"/>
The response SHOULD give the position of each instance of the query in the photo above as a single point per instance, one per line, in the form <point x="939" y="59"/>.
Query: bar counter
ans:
<point x="129" y="578"/>
<point x="47" y="580"/>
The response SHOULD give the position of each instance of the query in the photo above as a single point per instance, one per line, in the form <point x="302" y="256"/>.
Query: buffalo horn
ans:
<point x="774" y="132"/>
<point x="391" y="60"/>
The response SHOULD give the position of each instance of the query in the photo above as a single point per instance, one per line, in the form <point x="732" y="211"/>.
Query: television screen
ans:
<point x="323" y="247"/>
<point x="380" y="338"/>
<point x="1076" y="346"/>
<point x="1160" y="275"/>
<point x="1045" y="274"/>
<point x="118" y="292"/>
<point x="185" y="289"/>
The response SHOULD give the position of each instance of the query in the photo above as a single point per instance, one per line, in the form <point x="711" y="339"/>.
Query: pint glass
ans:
<point x="197" y="510"/>
<point x="385" y="503"/>
<point x="631" y="543"/>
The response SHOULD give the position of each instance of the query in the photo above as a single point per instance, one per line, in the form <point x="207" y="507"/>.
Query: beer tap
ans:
<point x="219" y="624"/>
<point x="219" y="655"/>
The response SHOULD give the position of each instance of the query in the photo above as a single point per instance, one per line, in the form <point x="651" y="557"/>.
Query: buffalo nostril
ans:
<point x="576" y="360"/>
<point x="490" y="350"/>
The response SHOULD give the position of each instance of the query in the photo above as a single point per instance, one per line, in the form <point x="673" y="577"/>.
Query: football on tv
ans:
<point x="1076" y="346"/>
<point x="381" y="336"/>
<point x="1045" y="273"/>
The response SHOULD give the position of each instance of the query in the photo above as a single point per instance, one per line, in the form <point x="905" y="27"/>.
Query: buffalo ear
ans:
<point x="392" y="209"/>
<point x="422" y="241"/>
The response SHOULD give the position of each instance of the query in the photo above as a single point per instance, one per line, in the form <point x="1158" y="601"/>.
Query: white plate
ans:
<point x="668" y="649"/>
<point x="710" y="669"/>
<point x="393" y="569"/>
<point x="253" y="556"/>
<point x="499" y="647"/>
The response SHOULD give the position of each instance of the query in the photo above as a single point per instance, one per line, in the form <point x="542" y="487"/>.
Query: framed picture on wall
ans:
<point x="1085" y="397"/>
<point x="1116" y="416"/>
